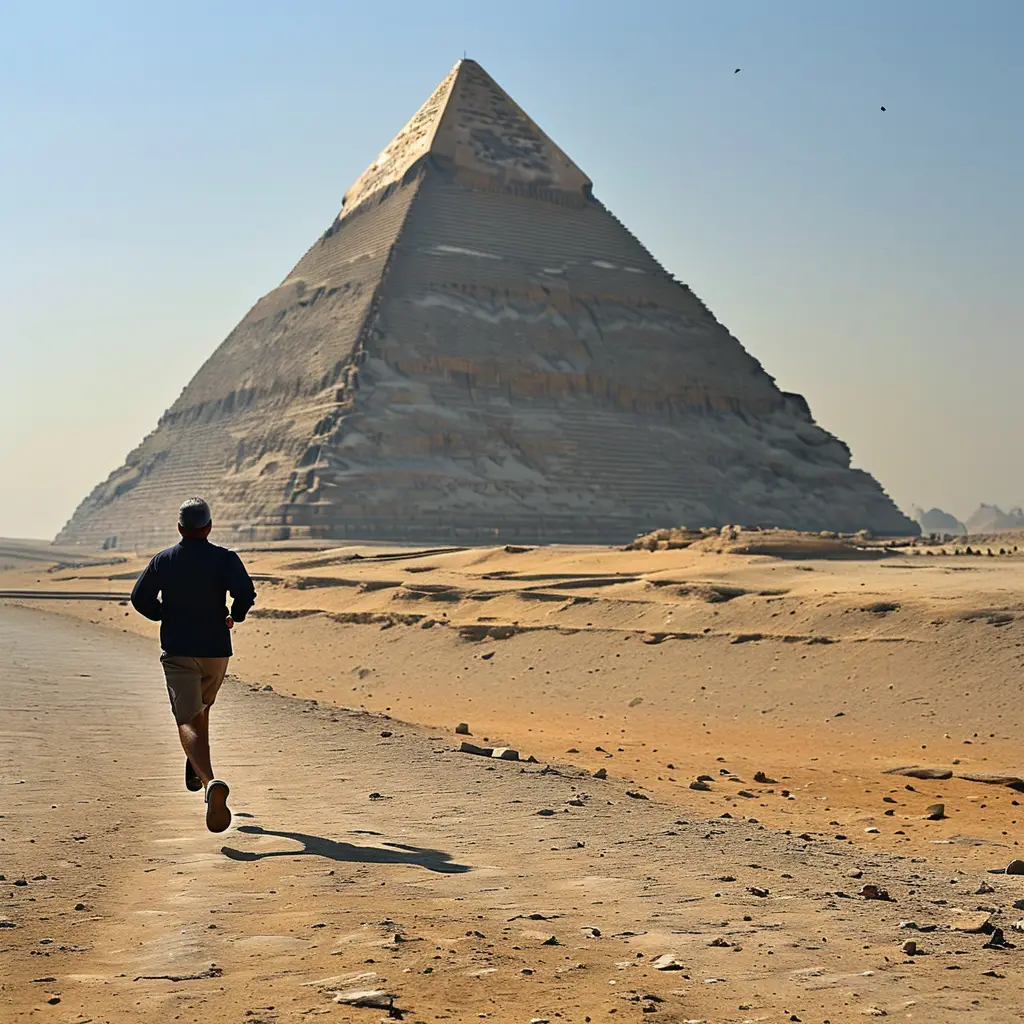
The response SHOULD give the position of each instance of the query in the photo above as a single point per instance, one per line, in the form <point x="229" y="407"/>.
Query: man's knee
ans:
<point x="196" y="722"/>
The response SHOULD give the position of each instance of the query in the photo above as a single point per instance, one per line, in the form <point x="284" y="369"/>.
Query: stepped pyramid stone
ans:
<point x="476" y="350"/>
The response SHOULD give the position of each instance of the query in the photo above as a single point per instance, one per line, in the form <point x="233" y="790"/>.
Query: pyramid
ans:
<point x="475" y="351"/>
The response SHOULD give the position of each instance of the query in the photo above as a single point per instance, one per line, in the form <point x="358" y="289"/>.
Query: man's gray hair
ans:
<point x="194" y="514"/>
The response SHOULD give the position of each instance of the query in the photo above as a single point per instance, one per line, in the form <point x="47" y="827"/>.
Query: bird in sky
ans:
<point x="737" y="71"/>
<point x="883" y="110"/>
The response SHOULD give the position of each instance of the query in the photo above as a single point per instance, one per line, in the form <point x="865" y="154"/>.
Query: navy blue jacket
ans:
<point x="185" y="588"/>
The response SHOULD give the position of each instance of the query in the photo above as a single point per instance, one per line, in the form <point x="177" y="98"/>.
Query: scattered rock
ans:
<point x="373" y="999"/>
<point x="914" y="771"/>
<point x="1015" y="867"/>
<point x="762" y="778"/>
<point x="909" y="947"/>
<point x="874" y="892"/>
<point x="637" y="796"/>
<point x="471" y="748"/>
<point x="997" y="940"/>
<point x="993" y="779"/>
<point x="935" y="812"/>
<point x="601" y="773"/>
<point x="667" y="962"/>
<point x="552" y="941"/>
<point x="462" y="729"/>
<point x="757" y="891"/>
<point x="504" y="753"/>
<point x="972" y="924"/>
<point x="545" y="812"/>
<point x="591" y="933"/>
<point x="702" y="786"/>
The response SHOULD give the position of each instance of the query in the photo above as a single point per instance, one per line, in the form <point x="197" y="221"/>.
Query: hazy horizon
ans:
<point x="168" y="167"/>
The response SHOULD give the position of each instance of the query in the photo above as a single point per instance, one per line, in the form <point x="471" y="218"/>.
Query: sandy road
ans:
<point x="132" y="911"/>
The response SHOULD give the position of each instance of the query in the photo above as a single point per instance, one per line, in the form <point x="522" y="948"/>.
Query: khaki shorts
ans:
<point x="192" y="683"/>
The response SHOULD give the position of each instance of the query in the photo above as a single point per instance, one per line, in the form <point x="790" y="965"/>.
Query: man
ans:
<point x="184" y="588"/>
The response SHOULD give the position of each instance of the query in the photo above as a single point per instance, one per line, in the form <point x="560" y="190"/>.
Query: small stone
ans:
<point x="552" y="941"/>
<point x="757" y="891"/>
<point x="871" y="831"/>
<point x="917" y="772"/>
<point x="601" y="773"/>
<point x="592" y="933"/>
<point x="702" y="786"/>
<point x="764" y="779"/>
<point x="972" y="924"/>
<point x="471" y="748"/>
<point x="636" y="796"/>
<point x="546" y="812"/>
<point x="462" y="729"/>
<point x="909" y="947"/>
<point x="505" y="754"/>
<point x="1015" y="867"/>
<point x="666" y="962"/>
<point x="873" y="892"/>
<point x="79" y="906"/>
<point x="53" y="1000"/>
<point x="935" y="812"/>
<point x="855" y="873"/>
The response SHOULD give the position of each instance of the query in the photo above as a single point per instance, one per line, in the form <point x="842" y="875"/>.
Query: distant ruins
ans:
<point x="477" y="351"/>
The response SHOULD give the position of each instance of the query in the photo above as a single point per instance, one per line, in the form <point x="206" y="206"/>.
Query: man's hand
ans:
<point x="229" y="622"/>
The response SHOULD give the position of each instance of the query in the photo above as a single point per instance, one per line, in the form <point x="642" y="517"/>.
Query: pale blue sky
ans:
<point x="163" y="165"/>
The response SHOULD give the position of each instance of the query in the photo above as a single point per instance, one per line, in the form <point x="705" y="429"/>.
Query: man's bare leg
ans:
<point x="195" y="741"/>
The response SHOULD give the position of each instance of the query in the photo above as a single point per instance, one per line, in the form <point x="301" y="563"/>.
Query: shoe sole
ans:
<point x="218" y="814"/>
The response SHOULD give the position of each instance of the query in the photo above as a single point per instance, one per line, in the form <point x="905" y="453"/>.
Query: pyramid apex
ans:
<point x="470" y="123"/>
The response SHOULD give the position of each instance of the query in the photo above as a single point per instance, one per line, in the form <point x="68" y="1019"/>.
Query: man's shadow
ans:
<point x="318" y="846"/>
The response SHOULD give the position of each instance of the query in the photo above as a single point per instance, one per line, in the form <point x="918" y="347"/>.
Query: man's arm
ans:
<point x="243" y="593"/>
<point x="145" y="593"/>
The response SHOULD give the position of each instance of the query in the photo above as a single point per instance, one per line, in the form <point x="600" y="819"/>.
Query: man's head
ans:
<point x="194" y="519"/>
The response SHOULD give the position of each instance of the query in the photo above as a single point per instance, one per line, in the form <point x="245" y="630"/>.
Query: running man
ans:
<point x="184" y="588"/>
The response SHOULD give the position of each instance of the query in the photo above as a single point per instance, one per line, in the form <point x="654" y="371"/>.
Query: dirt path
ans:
<point x="133" y="912"/>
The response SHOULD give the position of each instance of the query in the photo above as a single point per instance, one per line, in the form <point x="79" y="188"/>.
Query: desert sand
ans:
<point x="792" y="681"/>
